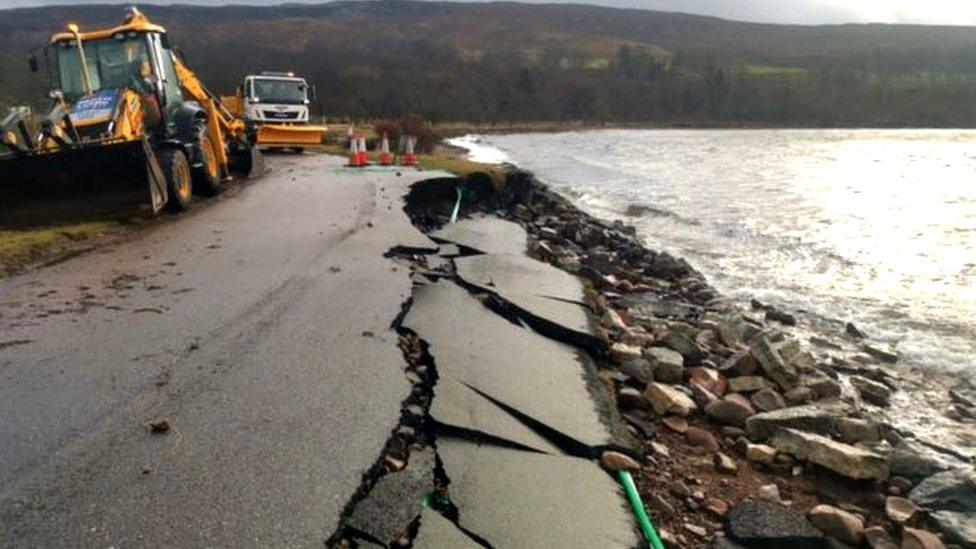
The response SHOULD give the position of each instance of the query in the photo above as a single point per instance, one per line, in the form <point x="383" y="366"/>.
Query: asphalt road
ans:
<point x="258" y="327"/>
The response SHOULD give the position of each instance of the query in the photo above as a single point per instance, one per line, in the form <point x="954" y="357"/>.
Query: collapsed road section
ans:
<point x="506" y="424"/>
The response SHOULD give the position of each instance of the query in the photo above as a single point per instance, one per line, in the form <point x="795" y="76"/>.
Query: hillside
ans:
<point x="507" y="61"/>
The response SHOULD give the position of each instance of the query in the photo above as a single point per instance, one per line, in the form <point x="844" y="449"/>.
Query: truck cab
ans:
<point x="276" y="98"/>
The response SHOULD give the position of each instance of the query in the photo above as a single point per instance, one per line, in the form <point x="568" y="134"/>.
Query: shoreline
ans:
<point x="847" y="388"/>
<point x="450" y="130"/>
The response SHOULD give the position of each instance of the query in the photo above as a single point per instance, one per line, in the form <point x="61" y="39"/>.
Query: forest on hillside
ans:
<point x="508" y="62"/>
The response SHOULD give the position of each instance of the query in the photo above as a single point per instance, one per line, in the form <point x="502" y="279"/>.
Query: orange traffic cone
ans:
<point x="385" y="157"/>
<point x="363" y="155"/>
<point x="409" y="158"/>
<point x="354" y="160"/>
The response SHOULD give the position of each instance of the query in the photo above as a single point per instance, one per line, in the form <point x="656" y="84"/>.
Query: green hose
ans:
<point x="457" y="205"/>
<point x="650" y="534"/>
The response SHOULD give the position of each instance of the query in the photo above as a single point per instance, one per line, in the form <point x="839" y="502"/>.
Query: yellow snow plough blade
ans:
<point x="285" y="135"/>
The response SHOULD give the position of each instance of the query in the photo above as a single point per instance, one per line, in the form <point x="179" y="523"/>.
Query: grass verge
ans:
<point x="24" y="245"/>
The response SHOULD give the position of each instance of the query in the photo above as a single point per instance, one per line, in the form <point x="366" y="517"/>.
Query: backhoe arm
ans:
<point x="224" y="125"/>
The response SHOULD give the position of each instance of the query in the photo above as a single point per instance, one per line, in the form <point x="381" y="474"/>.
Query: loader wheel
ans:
<point x="206" y="176"/>
<point x="178" y="178"/>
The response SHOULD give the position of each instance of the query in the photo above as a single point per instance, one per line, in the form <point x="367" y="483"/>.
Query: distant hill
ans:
<point x="508" y="61"/>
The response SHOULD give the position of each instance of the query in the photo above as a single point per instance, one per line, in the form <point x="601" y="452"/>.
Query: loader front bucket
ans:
<point x="97" y="176"/>
<point x="283" y="135"/>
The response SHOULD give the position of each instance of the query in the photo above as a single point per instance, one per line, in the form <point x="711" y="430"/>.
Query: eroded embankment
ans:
<point x="506" y="419"/>
<point x="744" y="432"/>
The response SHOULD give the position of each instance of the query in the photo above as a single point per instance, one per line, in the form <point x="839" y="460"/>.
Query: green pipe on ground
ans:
<point x="650" y="534"/>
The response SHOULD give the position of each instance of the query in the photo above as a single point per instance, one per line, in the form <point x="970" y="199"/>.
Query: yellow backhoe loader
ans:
<point x="128" y="119"/>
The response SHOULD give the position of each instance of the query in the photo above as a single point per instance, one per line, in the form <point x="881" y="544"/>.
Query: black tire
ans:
<point x="298" y="150"/>
<point x="206" y="169"/>
<point x="179" y="180"/>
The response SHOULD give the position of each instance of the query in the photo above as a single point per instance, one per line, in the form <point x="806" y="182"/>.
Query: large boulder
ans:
<point x="668" y="365"/>
<point x="666" y="399"/>
<point x="819" y="418"/>
<point x="915" y="462"/>
<point x="684" y="345"/>
<point x="772" y="363"/>
<point x="767" y="525"/>
<point x="953" y="490"/>
<point x="838" y="524"/>
<point x="958" y="527"/>
<point x="871" y="391"/>
<point x="912" y="538"/>
<point x="734" y="409"/>
<point x="843" y="459"/>
<point x="747" y="384"/>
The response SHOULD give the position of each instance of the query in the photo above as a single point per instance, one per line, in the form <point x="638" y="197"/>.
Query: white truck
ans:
<point x="275" y="107"/>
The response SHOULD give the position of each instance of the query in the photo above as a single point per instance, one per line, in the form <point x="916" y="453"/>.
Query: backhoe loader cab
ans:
<point x="126" y="112"/>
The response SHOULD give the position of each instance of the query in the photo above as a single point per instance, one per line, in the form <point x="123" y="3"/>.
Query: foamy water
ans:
<point x="877" y="227"/>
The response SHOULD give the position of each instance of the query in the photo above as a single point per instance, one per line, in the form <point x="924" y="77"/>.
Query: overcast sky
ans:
<point x="946" y="12"/>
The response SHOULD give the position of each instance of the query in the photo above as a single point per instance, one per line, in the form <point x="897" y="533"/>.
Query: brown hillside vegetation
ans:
<point x="497" y="62"/>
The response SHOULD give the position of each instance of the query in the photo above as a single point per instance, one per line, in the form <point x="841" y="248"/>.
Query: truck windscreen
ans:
<point x="279" y="91"/>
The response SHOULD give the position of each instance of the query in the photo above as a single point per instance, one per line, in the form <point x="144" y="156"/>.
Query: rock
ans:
<point x="781" y="317"/>
<point x="666" y="399"/>
<point x="638" y="369"/>
<point x="676" y="424"/>
<point x="734" y="409"/>
<point x="948" y="491"/>
<point x="798" y="396"/>
<point x="615" y="461"/>
<point x="629" y="398"/>
<point x="900" y="510"/>
<point x="760" y="453"/>
<point x="621" y="352"/>
<point x="769" y="492"/>
<point x="733" y="432"/>
<point x="879" y="538"/>
<point x="852" y="331"/>
<point x="771" y="525"/>
<point x="914" y="462"/>
<point x="725" y="464"/>
<point x="660" y="449"/>
<point x="840" y="458"/>
<point x="683" y="345"/>
<point x="881" y="354"/>
<point x="709" y="378"/>
<point x="824" y="387"/>
<point x="158" y="426"/>
<point x="837" y="523"/>
<point x="852" y="430"/>
<point x="702" y="396"/>
<point x="958" y="527"/>
<point x="811" y="418"/>
<point x="612" y="319"/>
<point x="747" y="384"/>
<point x="767" y="400"/>
<point x="872" y="391"/>
<point x="775" y="367"/>
<point x="717" y="507"/>
<point x="701" y="438"/>
<point x="912" y="538"/>
<point x="640" y="423"/>
<point x="668" y="365"/>
<point x="741" y="363"/>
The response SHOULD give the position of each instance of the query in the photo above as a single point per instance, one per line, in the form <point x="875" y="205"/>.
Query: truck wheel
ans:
<point x="179" y="181"/>
<point x="206" y="176"/>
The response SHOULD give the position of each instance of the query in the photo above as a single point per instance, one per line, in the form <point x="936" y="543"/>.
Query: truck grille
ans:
<point x="275" y="115"/>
